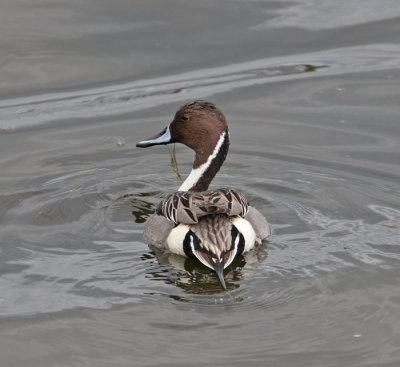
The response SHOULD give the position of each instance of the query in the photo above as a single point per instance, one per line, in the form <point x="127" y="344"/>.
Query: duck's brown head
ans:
<point x="201" y="126"/>
<point x="197" y="124"/>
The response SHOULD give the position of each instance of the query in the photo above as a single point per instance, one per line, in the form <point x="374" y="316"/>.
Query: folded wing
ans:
<point x="187" y="207"/>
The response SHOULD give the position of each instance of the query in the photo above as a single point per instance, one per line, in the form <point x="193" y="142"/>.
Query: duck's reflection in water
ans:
<point x="195" y="278"/>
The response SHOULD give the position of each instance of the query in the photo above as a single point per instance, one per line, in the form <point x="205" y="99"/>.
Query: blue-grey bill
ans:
<point x="162" y="138"/>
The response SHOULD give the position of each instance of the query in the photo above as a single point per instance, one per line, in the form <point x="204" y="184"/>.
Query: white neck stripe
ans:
<point x="197" y="173"/>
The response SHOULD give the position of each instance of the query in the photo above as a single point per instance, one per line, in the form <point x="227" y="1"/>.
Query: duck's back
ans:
<point x="159" y="227"/>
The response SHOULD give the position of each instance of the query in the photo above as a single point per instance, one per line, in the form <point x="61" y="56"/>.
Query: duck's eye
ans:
<point x="185" y="117"/>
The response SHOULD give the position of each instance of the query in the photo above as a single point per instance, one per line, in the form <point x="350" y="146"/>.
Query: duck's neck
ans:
<point x="201" y="176"/>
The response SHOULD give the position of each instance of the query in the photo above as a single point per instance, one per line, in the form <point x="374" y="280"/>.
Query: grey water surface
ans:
<point x="311" y="92"/>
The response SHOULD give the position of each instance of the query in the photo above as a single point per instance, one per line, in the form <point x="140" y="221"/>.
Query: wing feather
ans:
<point x="187" y="207"/>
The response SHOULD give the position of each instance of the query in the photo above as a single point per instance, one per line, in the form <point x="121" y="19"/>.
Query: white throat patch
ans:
<point x="196" y="173"/>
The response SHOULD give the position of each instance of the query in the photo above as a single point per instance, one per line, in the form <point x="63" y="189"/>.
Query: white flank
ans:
<point x="246" y="229"/>
<point x="196" y="173"/>
<point x="176" y="237"/>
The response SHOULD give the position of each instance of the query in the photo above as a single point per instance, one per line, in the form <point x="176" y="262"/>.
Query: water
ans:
<point x="311" y="92"/>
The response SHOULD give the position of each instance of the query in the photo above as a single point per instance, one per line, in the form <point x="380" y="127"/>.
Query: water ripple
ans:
<point x="137" y="95"/>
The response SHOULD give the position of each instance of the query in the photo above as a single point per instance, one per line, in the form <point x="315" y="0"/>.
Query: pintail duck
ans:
<point x="213" y="226"/>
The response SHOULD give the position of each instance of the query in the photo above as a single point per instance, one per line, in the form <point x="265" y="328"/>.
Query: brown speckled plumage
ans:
<point x="217" y="240"/>
<point x="188" y="207"/>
